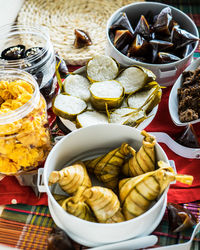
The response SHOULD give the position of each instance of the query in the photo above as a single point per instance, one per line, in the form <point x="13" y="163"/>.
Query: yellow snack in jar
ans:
<point x="6" y="164"/>
<point x="24" y="143"/>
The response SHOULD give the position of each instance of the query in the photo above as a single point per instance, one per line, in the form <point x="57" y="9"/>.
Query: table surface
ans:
<point x="27" y="227"/>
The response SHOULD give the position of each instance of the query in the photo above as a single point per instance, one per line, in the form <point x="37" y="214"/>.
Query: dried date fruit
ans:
<point x="122" y="38"/>
<point x="82" y="39"/>
<point x="158" y="45"/>
<point x="143" y="28"/>
<point x="162" y="23"/>
<point x="189" y="138"/>
<point x="121" y="23"/>
<point x="139" y="47"/>
<point x="59" y="240"/>
<point x="180" y="218"/>
<point x="181" y="38"/>
<point x="163" y="57"/>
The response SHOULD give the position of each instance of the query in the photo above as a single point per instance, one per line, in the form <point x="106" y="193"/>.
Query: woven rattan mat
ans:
<point x="63" y="16"/>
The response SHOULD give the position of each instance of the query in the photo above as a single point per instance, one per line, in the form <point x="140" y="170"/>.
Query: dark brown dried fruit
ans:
<point x="13" y="53"/>
<point x="189" y="138"/>
<point x="143" y="28"/>
<point x="139" y="47"/>
<point x="181" y="38"/>
<point x="121" y="23"/>
<point x="158" y="45"/>
<point x="59" y="240"/>
<point x="180" y="218"/>
<point x="162" y="24"/>
<point x="185" y="51"/>
<point x="82" y="39"/>
<point x="163" y="57"/>
<point x="122" y="38"/>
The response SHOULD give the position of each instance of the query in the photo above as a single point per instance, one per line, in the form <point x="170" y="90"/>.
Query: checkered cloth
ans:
<point x="27" y="227"/>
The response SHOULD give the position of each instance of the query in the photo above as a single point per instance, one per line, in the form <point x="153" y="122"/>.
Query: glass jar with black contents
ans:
<point x="30" y="49"/>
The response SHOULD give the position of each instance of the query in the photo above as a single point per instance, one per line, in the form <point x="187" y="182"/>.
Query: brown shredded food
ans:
<point x="189" y="96"/>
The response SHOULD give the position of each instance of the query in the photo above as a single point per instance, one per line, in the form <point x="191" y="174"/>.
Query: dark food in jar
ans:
<point x="33" y="51"/>
<point x="13" y="53"/>
<point x="188" y="96"/>
<point x="82" y="39"/>
<point x="154" y="39"/>
<point x="59" y="240"/>
<point x="180" y="218"/>
<point x="31" y="61"/>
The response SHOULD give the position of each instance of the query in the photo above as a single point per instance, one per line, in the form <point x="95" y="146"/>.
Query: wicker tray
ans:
<point x="63" y="16"/>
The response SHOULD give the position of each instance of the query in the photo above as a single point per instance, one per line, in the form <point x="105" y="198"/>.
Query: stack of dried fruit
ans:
<point x="129" y="182"/>
<point x="105" y="93"/>
<point x="154" y="39"/>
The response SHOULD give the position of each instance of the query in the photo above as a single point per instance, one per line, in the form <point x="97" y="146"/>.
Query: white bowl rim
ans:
<point x="150" y="3"/>
<point x="177" y="84"/>
<point x="110" y="225"/>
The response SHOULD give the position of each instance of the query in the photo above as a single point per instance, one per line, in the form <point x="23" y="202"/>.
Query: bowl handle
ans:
<point x="167" y="72"/>
<point x="40" y="181"/>
<point x="191" y="153"/>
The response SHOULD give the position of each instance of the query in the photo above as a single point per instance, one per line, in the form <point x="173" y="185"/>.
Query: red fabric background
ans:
<point x="178" y="193"/>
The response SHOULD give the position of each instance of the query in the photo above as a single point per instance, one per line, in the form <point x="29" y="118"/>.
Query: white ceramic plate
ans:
<point x="71" y="126"/>
<point x="173" y="98"/>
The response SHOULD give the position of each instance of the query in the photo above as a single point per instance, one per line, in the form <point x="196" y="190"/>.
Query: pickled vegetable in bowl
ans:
<point x="24" y="134"/>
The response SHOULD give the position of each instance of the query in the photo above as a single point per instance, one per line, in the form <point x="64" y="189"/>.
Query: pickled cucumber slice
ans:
<point x="102" y="68"/>
<point x="106" y="94"/>
<point x="67" y="106"/>
<point x="126" y="116"/>
<point x="89" y="118"/>
<point x="77" y="85"/>
<point x="132" y="79"/>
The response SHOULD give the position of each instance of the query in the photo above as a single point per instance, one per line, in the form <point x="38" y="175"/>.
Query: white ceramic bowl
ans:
<point x="91" y="141"/>
<point x="166" y="73"/>
<point x="173" y="97"/>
